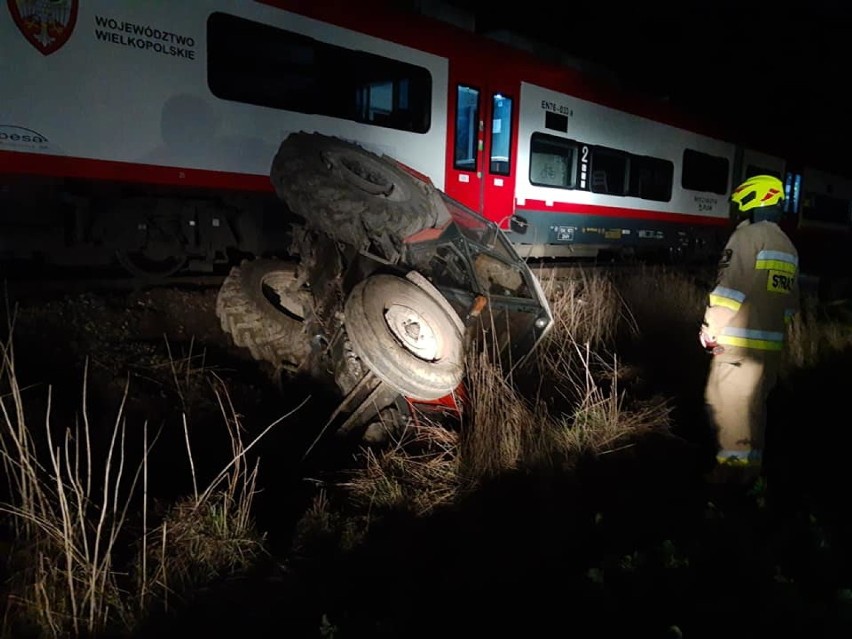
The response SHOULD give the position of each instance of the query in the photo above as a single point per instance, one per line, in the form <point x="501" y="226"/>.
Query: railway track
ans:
<point x="560" y="270"/>
<point x="20" y="285"/>
<point x="18" y="288"/>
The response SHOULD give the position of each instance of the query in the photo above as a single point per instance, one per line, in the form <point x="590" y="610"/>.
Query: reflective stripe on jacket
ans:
<point x="757" y="288"/>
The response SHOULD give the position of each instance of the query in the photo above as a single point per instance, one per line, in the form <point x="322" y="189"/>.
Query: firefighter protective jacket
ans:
<point x="757" y="289"/>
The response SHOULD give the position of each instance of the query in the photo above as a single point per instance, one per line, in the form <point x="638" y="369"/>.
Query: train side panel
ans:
<point x="132" y="84"/>
<point x="592" y="178"/>
<point x="148" y="129"/>
<point x="821" y="228"/>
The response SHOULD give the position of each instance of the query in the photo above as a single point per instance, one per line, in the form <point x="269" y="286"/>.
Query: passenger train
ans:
<point x="143" y="132"/>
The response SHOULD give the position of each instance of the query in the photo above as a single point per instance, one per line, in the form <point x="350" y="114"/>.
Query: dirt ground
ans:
<point x="629" y="543"/>
<point x="161" y="347"/>
<point x="147" y="357"/>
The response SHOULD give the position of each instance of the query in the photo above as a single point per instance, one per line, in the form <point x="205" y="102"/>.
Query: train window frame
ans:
<point x="826" y="209"/>
<point x="306" y="75"/>
<point x="556" y="142"/>
<point x="704" y="172"/>
<point x="466" y="129"/>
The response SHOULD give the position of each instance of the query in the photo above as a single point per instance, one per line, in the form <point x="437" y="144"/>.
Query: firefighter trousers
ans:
<point x="738" y="385"/>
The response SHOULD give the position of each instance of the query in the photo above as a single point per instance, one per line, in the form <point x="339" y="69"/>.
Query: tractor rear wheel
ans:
<point x="262" y="308"/>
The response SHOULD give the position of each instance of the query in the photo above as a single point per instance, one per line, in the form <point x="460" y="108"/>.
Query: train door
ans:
<point x="751" y="163"/>
<point x="482" y="141"/>
<point x="792" y="199"/>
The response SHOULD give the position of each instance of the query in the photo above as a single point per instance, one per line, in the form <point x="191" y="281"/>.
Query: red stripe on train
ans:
<point x="16" y="163"/>
<point x="620" y="212"/>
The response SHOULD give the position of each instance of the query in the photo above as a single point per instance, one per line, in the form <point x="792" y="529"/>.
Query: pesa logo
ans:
<point x="19" y="136"/>
<point x="46" y="24"/>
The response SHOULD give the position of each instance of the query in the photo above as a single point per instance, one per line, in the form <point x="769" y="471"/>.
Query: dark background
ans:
<point x="769" y="71"/>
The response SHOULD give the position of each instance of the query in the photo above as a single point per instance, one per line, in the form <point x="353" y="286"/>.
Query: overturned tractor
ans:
<point x="383" y="289"/>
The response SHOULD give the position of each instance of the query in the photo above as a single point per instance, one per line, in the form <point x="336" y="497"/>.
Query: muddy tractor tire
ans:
<point x="349" y="193"/>
<point x="409" y="338"/>
<point x="262" y="308"/>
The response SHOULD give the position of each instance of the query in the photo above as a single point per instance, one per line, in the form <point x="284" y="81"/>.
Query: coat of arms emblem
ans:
<point x="46" y="24"/>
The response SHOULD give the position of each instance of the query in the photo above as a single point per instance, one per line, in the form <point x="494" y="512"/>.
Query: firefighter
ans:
<point x="755" y="297"/>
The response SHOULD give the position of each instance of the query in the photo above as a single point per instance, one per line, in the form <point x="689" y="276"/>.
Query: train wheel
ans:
<point x="149" y="267"/>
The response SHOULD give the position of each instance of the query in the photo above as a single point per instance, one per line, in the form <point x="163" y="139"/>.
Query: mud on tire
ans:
<point x="261" y="307"/>
<point x="349" y="193"/>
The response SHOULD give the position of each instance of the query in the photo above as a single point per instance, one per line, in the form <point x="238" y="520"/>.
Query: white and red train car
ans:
<point x="144" y="132"/>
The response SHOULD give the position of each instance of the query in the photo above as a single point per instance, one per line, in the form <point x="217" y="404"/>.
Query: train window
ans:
<point x="829" y="209"/>
<point x="752" y="170"/>
<point x="467" y="128"/>
<point x="651" y="178"/>
<point x="703" y="172"/>
<point x="553" y="161"/>
<point x="501" y="134"/>
<point x="259" y="64"/>
<point x="608" y="171"/>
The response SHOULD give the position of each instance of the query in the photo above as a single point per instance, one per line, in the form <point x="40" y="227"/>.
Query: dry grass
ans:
<point x="588" y="309"/>
<point x="803" y="338"/>
<point x="319" y="521"/>
<point x="504" y="430"/>
<point x="578" y="404"/>
<point x="665" y="300"/>
<point x="210" y="533"/>
<point x="69" y="509"/>
<point x="495" y="419"/>
<point x="189" y="374"/>
<point x="325" y="529"/>
<point x="67" y="513"/>
<point x="660" y="297"/>
<point x="418" y="473"/>
<point x="812" y="336"/>
<point x="603" y="419"/>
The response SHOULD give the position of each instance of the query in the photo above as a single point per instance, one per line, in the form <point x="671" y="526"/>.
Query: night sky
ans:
<point x="768" y="71"/>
